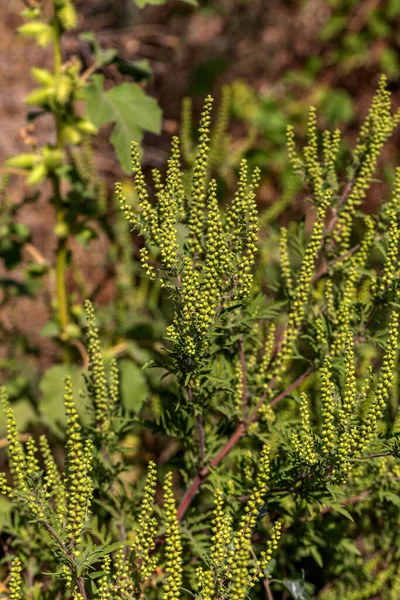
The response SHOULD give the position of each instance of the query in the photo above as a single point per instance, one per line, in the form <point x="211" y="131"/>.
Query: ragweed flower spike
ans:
<point x="328" y="407"/>
<point x="146" y="529"/>
<point x="384" y="386"/>
<point x="78" y="484"/>
<point x="173" y="545"/>
<point x="185" y="132"/>
<point x="198" y="190"/>
<point x="16" y="452"/>
<point x="311" y="161"/>
<point x="303" y="443"/>
<point x="105" y="589"/>
<point x="98" y="378"/>
<point x="377" y="128"/>
<point x="15" y="584"/>
<point x="219" y="137"/>
<point x="285" y="262"/>
<point x="300" y="294"/>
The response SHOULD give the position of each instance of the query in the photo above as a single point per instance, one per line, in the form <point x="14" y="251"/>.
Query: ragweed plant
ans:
<point x="277" y="411"/>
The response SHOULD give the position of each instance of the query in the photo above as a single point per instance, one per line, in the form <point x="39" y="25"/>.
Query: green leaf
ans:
<point x="129" y="108"/>
<point x="133" y="385"/>
<point x="297" y="588"/>
<point x="103" y="56"/>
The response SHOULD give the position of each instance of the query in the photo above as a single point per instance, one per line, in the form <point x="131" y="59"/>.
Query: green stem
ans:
<point x="62" y="224"/>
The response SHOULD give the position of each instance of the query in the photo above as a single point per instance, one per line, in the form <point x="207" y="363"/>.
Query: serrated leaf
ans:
<point x="130" y="109"/>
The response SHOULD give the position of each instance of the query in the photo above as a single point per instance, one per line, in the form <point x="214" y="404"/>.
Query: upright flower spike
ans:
<point x="378" y="126"/>
<point x="185" y="132"/>
<point x="393" y="205"/>
<point x="114" y="385"/>
<point x="268" y="351"/>
<point x="198" y="189"/>
<point x="311" y="161"/>
<point x="344" y="311"/>
<point x="173" y="545"/>
<point x="124" y="206"/>
<point x="105" y="590"/>
<point x="211" y="580"/>
<point x="123" y="585"/>
<point x="146" y="529"/>
<point x="285" y="262"/>
<point x="78" y="462"/>
<point x="250" y="241"/>
<point x="97" y="373"/>
<point x="174" y="178"/>
<point x="266" y="555"/>
<point x="385" y="382"/>
<point x="240" y="547"/>
<point x="390" y="269"/>
<point x="295" y="160"/>
<point x="303" y="443"/>
<point x="16" y="452"/>
<point x="216" y="246"/>
<point x="52" y="480"/>
<point x="328" y="407"/>
<point x="300" y="294"/>
<point x="350" y="389"/>
<point x="234" y="218"/>
<point x="15" y="583"/>
<point x="219" y="137"/>
<point x="147" y="214"/>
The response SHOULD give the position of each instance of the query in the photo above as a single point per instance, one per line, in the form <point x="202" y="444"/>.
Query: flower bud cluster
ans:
<point x="146" y="529"/>
<point x="378" y="126"/>
<point x="173" y="549"/>
<point x="15" y="583"/>
<point x="78" y="484"/>
<point x="303" y="442"/>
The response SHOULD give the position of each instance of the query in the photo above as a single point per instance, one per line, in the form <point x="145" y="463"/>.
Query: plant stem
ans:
<point x="61" y="223"/>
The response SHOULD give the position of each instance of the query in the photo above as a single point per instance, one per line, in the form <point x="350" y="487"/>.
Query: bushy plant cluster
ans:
<point x="277" y="406"/>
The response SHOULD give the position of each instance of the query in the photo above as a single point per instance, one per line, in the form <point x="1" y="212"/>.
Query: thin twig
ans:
<point x="233" y="440"/>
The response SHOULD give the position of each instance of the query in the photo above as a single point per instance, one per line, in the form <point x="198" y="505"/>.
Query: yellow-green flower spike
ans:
<point x="384" y="386"/>
<point x="98" y="379"/>
<point x="15" y="584"/>
<point x="378" y="126"/>
<point x="146" y="529"/>
<point x="52" y="480"/>
<point x="344" y="312"/>
<point x="122" y="583"/>
<point x="125" y="207"/>
<point x="105" y="590"/>
<point x="311" y="160"/>
<point x="268" y="350"/>
<point x="219" y="138"/>
<point x="391" y="266"/>
<point x="285" y="262"/>
<point x="198" y="189"/>
<point x="303" y="443"/>
<point x="295" y="160"/>
<point x="15" y="449"/>
<point x="173" y="546"/>
<point x="147" y="214"/>
<point x="185" y="132"/>
<point x="328" y="407"/>
<point x="78" y="463"/>
<point x="301" y="293"/>
<point x="272" y="547"/>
